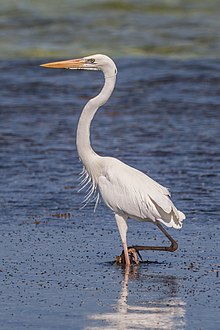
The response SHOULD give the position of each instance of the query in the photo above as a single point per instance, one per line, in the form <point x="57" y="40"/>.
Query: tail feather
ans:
<point x="173" y="219"/>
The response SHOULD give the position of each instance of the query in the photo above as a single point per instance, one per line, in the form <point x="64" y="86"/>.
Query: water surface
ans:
<point x="56" y="264"/>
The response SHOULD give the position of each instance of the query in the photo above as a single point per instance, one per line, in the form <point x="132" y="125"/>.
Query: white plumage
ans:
<point x="128" y="192"/>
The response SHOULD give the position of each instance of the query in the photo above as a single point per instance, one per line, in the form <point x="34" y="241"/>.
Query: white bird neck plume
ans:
<point x="90" y="159"/>
<point x="84" y="148"/>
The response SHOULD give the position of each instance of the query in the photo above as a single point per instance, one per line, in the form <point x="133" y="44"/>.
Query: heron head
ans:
<point x="93" y="62"/>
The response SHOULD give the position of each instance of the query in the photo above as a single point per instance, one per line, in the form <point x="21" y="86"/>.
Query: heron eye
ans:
<point x="91" y="60"/>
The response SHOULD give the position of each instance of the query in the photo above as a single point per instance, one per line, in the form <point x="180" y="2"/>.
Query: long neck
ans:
<point x="84" y="148"/>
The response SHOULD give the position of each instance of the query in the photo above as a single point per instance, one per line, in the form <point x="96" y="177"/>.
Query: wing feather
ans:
<point x="128" y="191"/>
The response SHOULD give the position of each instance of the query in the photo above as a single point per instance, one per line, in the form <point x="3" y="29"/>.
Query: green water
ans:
<point x="51" y="28"/>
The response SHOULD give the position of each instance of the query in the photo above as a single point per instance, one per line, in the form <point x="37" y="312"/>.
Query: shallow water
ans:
<point x="56" y="264"/>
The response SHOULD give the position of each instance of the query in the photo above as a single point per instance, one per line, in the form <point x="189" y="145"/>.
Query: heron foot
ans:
<point x="133" y="256"/>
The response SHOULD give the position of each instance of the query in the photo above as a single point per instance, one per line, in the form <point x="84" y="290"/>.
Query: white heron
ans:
<point x="128" y="192"/>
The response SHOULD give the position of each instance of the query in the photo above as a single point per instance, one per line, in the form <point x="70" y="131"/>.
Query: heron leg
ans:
<point x="123" y="228"/>
<point x="130" y="254"/>
<point x="173" y="246"/>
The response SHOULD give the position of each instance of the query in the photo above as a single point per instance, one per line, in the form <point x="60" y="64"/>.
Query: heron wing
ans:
<point x="128" y="191"/>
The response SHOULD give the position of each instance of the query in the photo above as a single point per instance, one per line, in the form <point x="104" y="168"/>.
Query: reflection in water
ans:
<point x="167" y="312"/>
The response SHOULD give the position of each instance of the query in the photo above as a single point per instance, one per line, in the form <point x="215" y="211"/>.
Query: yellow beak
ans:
<point x="69" y="64"/>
